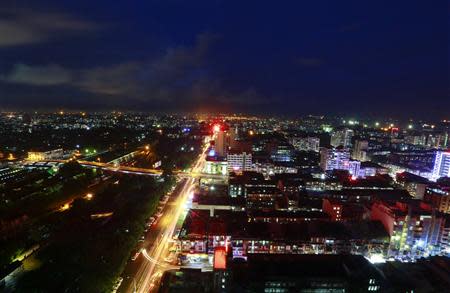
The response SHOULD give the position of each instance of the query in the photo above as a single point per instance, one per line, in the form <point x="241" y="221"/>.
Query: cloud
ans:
<point x="164" y="77"/>
<point x="180" y="76"/>
<point x="23" y="27"/>
<point x="38" y="75"/>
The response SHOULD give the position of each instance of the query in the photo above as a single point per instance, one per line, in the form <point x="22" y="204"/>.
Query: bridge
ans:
<point x="115" y="167"/>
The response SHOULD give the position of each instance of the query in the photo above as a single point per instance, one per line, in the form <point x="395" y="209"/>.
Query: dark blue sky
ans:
<point x="282" y="57"/>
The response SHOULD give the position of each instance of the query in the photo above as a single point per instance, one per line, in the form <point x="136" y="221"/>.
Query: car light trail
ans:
<point x="148" y="276"/>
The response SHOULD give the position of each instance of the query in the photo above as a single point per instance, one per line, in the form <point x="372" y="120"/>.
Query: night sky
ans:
<point x="359" y="58"/>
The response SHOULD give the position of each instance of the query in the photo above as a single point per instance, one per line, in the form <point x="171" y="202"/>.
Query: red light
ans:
<point x="216" y="128"/>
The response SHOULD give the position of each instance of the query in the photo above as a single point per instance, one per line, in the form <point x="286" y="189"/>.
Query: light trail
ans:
<point x="148" y="275"/>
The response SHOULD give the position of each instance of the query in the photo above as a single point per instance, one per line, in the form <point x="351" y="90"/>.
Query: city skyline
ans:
<point x="158" y="146"/>
<point x="290" y="59"/>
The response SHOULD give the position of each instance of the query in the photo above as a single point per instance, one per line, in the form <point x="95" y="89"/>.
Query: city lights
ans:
<point x="212" y="146"/>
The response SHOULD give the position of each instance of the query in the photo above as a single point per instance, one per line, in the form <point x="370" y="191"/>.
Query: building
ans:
<point x="441" y="166"/>
<point x="315" y="184"/>
<point x="416" y="139"/>
<point x="217" y="202"/>
<point x="334" y="158"/>
<point x="342" y="138"/>
<point x="431" y="274"/>
<point x="284" y="217"/>
<point x="216" y="166"/>
<point x="437" y="140"/>
<point x="414" y="229"/>
<point x="221" y="143"/>
<point x="282" y="153"/>
<point x="354" y="168"/>
<point x="45" y="155"/>
<point x="360" y="150"/>
<point x="445" y="236"/>
<point x="309" y="143"/>
<point x="414" y="184"/>
<point x="238" y="184"/>
<point x="201" y="234"/>
<point x="305" y="273"/>
<point x="344" y="211"/>
<point x="239" y="162"/>
<point x="438" y="195"/>
<point x="269" y="168"/>
<point x="265" y="198"/>
<point x="369" y="169"/>
<point x="282" y="273"/>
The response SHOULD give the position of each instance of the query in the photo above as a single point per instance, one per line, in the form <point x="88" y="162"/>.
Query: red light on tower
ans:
<point x="216" y="128"/>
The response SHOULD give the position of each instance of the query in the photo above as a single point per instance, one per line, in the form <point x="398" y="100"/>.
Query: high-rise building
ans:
<point x="239" y="162"/>
<point x="416" y="139"/>
<point x="334" y="158"/>
<point x="342" y="137"/>
<point x="441" y="165"/>
<point x="360" y="150"/>
<point x="353" y="168"/>
<point x="221" y="143"/>
<point x="413" y="228"/>
<point x="437" y="140"/>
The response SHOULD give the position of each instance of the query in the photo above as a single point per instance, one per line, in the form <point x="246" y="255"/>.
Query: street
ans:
<point x="144" y="273"/>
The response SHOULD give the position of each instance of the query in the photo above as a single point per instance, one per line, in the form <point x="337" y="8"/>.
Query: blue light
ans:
<point x="211" y="153"/>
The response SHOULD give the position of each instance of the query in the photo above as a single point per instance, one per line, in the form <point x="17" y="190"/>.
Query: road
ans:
<point x="144" y="274"/>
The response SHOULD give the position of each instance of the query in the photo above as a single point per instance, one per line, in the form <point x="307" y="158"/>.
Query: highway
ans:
<point x="144" y="274"/>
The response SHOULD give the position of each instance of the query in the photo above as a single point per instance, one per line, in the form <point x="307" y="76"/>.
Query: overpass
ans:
<point x="123" y="169"/>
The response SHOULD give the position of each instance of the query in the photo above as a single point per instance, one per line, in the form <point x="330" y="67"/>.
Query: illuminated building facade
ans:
<point x="306" y="143"/>
<point x="239" y="162"/>
<point x="216" y="166"/>
<point x="334" y="158"/>
<point x="360" y="150"/>
<point x="202" y="234"/>
<point x="47" y="155"/>
<point x="414" y="229"/>
<point x="441" y="166"/>
<point x="342" y="138"/>
<point x="221" y="143"/>
<point x="439" y="197"/>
